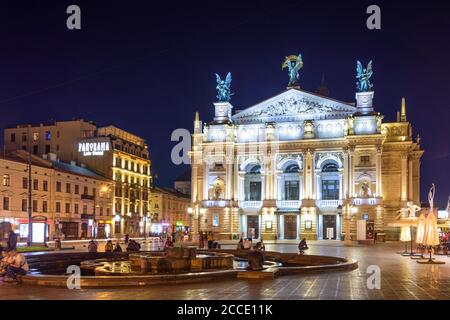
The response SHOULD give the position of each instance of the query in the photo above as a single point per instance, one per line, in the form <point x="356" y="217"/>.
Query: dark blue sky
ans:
<point x="147" y="66"/>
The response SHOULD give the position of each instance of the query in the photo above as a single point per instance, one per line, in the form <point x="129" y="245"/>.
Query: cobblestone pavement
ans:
<point x="401" y="278"/>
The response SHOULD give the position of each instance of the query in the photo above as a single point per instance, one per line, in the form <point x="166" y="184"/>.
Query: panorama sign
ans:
<point x="94" y="148"/>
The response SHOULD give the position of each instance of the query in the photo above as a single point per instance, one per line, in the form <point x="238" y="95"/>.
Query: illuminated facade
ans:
<point x="65" y="197"/>
<point x="124" y="158"/>
<point x="294" y="165"/>
<point x="169" y="211"/>
<point x="109" y="151"/>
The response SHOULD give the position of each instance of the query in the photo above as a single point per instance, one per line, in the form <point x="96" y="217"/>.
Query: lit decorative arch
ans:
<point x="365" y="176"/>
<point x="283" y="160"/>
<point x="249" y="161"/>
<point x="323" y="158"/>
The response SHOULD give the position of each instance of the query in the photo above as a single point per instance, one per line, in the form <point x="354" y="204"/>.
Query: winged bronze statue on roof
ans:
<point x="363" y="76"/>
<point x="224" y="88"/>
<point x="294" y="64"/>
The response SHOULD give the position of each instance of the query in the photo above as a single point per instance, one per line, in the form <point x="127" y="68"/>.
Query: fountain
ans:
<point x="174" y="265"/>
<point x="174" y="261"/>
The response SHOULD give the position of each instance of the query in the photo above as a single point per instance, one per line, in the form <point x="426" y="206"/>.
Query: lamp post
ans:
<point x="197" y="212"/>
<point x="350" y="209"/>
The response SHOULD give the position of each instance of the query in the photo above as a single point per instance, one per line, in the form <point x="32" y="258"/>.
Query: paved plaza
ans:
<point x="401" y="278"/>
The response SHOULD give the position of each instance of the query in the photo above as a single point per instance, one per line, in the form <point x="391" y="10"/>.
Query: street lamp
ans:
<point x="197" y="212"/>
<point x="350" y="210"/>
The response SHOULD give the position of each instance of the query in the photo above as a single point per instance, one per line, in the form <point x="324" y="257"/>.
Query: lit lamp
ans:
<point x="197" y="212"/>
<point x="351" y="210"/>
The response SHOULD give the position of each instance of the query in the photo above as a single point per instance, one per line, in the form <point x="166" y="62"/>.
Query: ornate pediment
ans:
<point x="294" y="105"/>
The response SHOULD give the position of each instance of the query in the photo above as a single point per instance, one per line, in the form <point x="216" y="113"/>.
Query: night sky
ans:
<point x="147" y="66"/>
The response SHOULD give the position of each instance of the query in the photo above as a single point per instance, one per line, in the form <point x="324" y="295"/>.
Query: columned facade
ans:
<point x="289" y="166"/>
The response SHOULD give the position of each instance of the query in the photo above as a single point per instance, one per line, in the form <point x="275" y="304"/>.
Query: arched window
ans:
<point x="292" y="168"/>
<point x="291" y="182"/>
<point x="253" y="186"/>
<point x="256" y="169"/>
<point x="330" y="167"/>
<point x="330" y="182"/>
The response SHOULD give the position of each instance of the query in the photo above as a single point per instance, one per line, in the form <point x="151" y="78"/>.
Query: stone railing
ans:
<point x="329" y="203"/>
<point x="216" y="203"/>
<point x="366" y="201"/>
<point x="289" y="204"/>
<point x="250" y="204"/>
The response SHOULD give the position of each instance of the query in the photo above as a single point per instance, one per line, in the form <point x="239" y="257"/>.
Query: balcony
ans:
<point x="289" y="204"/>
<point x="331" y="204"/>
<point x="367" y="201"/>
<point x="250" y="204"/>
<point x="216" y="203"/>
<point x="87" y="197"/>
<point x="87" y="216"/>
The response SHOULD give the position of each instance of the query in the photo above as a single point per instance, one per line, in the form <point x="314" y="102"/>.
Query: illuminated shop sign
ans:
<point x="95" y="148"/>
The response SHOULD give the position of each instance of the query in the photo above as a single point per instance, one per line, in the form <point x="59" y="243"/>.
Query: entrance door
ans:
<point x="253" y="227"/>
<point x="329" y="227"/>
<point x="290" y="227"/>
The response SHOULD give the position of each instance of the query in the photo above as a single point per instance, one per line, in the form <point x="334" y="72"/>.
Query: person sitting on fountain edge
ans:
<point x="117" y="248"/>
<point x="18" y="266"/>
<point x="109" y="246"/>
<point x="92" y="247"/>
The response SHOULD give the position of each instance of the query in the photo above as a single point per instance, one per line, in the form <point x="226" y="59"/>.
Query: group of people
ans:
<point x="209" y="238"/>
<point x="246" y="244"/>
<point x="132" y="246"/>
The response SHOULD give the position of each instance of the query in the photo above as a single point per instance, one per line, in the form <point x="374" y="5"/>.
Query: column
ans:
<point x="301" y="184"/>
<point x="229" y="180"/>
<point x="281" y="235"/>
<point x="194" y="184"/>
<point x="298" y="226"/>
<point x="263" y="186"/>
<point x="404" y="177"/>
<point x="378" y="172"/>
<point x="338" y="227"/>
<point x="308" y="173"/>
<point x="345" y="190"/>
<point x="351" y="180"/>
<point x="274" y="184"/>
<point x="319" y="227"/>
<point x="341" y="183"/>
<point x="410" y="181"/>
<point x="318" y="192"/>
<point x="241" y="188"/>
<point x="279" y="187"/>
<point x="236" y="181"/>
<point x="205" y="181"/>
